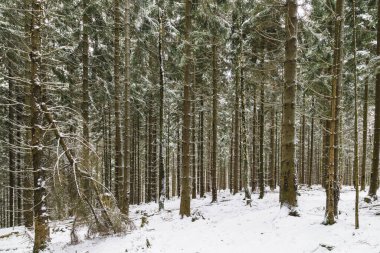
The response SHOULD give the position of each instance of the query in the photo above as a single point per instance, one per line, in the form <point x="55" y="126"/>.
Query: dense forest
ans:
<point x="107" y="104"/>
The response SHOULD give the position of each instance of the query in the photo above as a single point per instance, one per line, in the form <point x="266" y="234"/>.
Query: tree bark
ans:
<point x="27" y="182"/>
<point x="272" y="183"/>
<point x="288" y="186"/>
<point x="236" y="132"/>
<point x="276" y="166"/>
<point x="356" y="137"/>
<point x="331" y="185"/>
<point x="231" y="167"/>
<point x="178" y="164"/>
<point x="303" y="128"/>
<point x="214" y="118"/>
<point x="193" y="139"/>
<point x="19" y="140"/>
<point x="365" y="132"/>
<point x="126" y="176"/>
<point x="254" y="140"/>
<point x="118" y="155"/>
<point x="374" y="183"/>
<point x="201" y="148"/>
<point x="244" y="142"/>
<point x="185" y="194"/>
<point x="326" y="145"/>
<point x="261" y="168"/>
<point x="161" y="171"/>
<point x="311" y="157"/>
<point x="85" y="96"/>
<point x="41" y="228"/>
<point x="11" y="151"/>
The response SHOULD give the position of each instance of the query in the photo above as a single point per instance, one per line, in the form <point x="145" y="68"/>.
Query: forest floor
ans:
<point x="227" y="226"/>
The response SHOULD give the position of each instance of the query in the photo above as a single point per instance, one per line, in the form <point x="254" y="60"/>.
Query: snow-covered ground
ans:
<point x="228" y="226"/>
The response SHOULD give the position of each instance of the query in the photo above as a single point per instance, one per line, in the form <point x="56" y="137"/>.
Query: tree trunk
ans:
<point x="139" y="167"/>
<point x="41" y="229"/>
<point x="261" y="169"/>
<point x="276" y="165"/>
<point x="201" y="149"/>
<point x="11" y="151"/>
<point x="118" y="156"/>
<point x="148" y="197"/>
<point x="109" y="148"/>
<point x="311" y="158"/>
<point x="356" y="138"/>
<point x="167" y="165"/>
<point x="185" y="194"/>
<point x="153" y="172"/>
<point x="161" y="171"/>
<point x="19" y="140"/>
<point x="231" y="167"/>
<point x="331" y="186"/>
<point x="178" y="163"/>
<point x="374" y="184"/>
<point x="326" y="145"/>
<point x="193" y="138"/>
<point x="27" y="182"/>
<point x="272" y="183"/>
<point x="126" y="177"/>
<point x="85" y="97"/>
<point x="288" y="187"/>
<point x="214" y="118"/>
<point x="193" y="151"/>
<point x="254" y="140"/>
<point x="303" y="128"/>
<point x="244" y="142"/>
<point x="236" y="132"/>
<point x="132" y="161"/>
<point x="365" y="132"/>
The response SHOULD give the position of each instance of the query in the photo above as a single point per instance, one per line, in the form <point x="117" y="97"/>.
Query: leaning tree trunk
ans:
<point x="288" y="186"/>
<point x="374" y="185"/>
<point x="331" y="184"/>
<point x="185" y="194"/>
<point x="41" y="228"/>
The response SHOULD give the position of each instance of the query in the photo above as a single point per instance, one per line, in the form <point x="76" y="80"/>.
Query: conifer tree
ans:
<point x="288" y="187"/>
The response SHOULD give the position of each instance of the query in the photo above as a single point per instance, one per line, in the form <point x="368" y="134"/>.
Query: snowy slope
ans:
<point x="229" y="226"/>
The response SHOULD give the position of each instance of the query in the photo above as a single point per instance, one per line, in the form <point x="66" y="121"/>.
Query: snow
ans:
<point x="228" y="226"/>
<point x="365" y="16"/>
